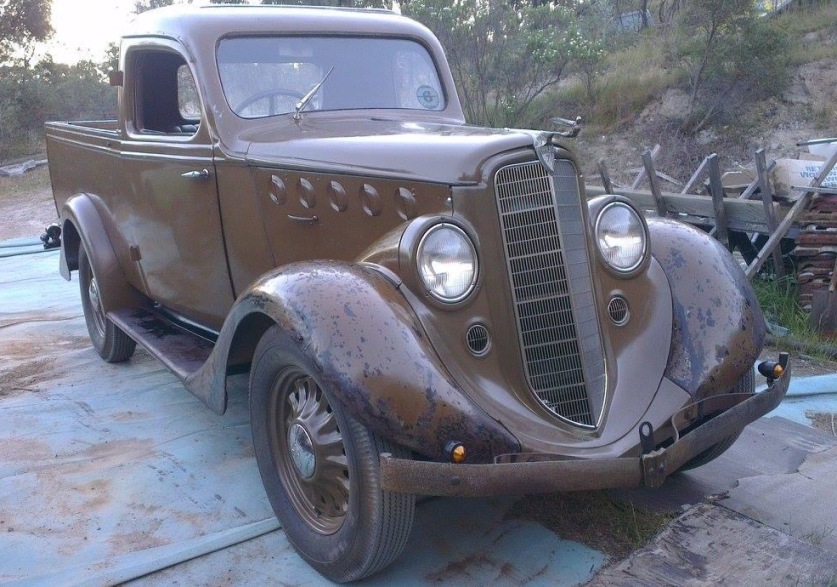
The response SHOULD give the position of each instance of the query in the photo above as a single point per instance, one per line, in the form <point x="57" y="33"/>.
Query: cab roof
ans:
<point x="199" y="23"/>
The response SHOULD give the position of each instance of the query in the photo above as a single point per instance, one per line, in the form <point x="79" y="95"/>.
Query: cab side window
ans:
<point x="165" y="94"/>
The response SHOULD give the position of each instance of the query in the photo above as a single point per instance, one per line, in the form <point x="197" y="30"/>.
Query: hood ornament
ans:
<point x="573" y="126"/>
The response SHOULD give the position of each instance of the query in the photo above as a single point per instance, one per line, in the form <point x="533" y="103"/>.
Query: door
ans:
<point x="175" y="222"/>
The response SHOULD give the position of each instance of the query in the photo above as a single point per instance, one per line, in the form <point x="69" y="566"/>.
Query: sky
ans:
<point x="84" y="28"/>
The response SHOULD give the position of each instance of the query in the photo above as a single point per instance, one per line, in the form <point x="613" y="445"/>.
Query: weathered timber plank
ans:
<point x="648" y="163"/>
<point x="743" y="215"/>
<point x="777" y="235"/>
<point x="709" y="545"/>
<point x="820" y="190"/>
<point x="605" y="176"/>
<point x="767" y="199"/>
<point x="716" y="188"/>
<point x="798" y="208"/>
<point x="693" y="181"/>
<point x="641" y="175"/>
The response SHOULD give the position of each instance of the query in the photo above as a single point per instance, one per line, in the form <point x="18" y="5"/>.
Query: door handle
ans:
<point x="202" y="174"/>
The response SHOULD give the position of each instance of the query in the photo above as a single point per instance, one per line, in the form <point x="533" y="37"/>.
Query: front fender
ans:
<point x="718" y="329"/>
<point x="372" y="353"/>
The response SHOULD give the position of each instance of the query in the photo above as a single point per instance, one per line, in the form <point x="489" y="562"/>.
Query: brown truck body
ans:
<point x="210" y="218"/>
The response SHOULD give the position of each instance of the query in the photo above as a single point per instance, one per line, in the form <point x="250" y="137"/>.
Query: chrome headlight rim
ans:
<point x="472" y="285"/>
<point x="642" y="261"/>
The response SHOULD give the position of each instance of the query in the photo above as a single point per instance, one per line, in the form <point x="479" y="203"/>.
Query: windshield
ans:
<point x="267" y="76"/>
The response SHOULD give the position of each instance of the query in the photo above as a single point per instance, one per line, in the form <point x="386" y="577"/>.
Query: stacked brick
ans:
<point x="816" y="247"/>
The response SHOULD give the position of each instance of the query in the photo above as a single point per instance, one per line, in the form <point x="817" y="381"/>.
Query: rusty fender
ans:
<point x="515" y="475"/>
<point x="718" y="330"/>
<point x="372" y="353"/>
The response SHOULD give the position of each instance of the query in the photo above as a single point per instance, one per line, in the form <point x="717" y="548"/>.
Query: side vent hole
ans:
<point x="478" y="340"/>
<point x="619" y="311"/>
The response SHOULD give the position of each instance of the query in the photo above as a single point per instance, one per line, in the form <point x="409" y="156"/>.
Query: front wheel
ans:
<point x="320" y="468"/>
<point x="110" y="341"/>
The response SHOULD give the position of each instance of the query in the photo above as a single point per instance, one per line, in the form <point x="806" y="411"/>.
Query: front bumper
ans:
<point x="556" y="475"/>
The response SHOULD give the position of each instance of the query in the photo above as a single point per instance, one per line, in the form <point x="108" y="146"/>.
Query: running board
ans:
<point x="181" y="351"/>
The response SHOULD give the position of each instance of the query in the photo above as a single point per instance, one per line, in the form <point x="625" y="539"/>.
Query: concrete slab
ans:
<point x="454" y="541"/>
<point x="802" y="504"/>
<point x="113" y="472"/>
<point x="770" y="446"/>
<point x="710" y="545"/>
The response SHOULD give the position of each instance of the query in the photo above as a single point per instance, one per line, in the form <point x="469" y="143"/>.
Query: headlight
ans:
<point x="620" y="235"/>
<point x="447" y="263"/>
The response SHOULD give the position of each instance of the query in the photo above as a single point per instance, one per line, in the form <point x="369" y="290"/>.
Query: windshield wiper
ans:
<point x="303" y="102"/>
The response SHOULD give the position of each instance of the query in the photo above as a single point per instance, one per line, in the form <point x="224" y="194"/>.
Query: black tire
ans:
<point x="110" y="341"/>
<point x="746" y="384"/>
<point x="320" y="468"/>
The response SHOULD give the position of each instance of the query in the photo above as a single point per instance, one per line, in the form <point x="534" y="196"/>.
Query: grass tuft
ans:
<point x="594" y="519"/>
<point x="813" y="30"/>
<point x="779" y="300"/>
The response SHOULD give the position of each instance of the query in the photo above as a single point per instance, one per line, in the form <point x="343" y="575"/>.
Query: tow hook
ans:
<point x="51" y="236"/>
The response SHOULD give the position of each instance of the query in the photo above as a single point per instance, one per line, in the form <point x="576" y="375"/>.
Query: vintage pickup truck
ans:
<point x="424" y="307"/>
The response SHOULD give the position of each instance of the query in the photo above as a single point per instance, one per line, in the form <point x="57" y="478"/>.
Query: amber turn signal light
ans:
<point x="774" y="369"/>
<point x="456" y="452"/>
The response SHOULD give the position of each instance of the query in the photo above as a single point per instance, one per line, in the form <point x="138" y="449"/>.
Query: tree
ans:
<point x="503" y="57"/>
<point x="750" y="64"/>
<point x="141" y="6"/>
<point x="32" y="94"/>
<point x="335" y="3"/>
<point x="23" y="22"/>
<point x="717" y="23"/>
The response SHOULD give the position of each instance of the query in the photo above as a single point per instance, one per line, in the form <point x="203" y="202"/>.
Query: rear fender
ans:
<point x="82" y="225"/>
<point x="371" y="351"/>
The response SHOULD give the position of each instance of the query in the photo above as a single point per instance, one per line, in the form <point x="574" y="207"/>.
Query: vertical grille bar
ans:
<point x="545" y="241"/>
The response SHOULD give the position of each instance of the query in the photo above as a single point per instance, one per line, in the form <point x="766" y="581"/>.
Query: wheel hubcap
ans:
<point x="96" y="306"/>
<point x="309" y="452"/>
<point x="302" y="451"/>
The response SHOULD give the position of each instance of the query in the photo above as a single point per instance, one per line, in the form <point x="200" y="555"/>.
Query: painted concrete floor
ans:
<point x="111" y="473"/>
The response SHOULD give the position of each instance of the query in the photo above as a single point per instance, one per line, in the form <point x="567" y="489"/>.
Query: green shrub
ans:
<point x="629" y="80"/>
<point x="30" y="96"/>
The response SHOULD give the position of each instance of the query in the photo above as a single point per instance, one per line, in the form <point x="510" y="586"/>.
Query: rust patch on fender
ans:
<point x="718" y="329"/>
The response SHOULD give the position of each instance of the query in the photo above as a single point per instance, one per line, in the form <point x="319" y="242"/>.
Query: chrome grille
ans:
<point x="545" y="242"/>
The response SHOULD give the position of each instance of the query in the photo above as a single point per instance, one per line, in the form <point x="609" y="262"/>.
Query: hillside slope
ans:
<point x="806" y="109"/>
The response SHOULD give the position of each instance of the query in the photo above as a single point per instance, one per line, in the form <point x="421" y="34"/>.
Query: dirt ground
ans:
<point x="26" y="205"/>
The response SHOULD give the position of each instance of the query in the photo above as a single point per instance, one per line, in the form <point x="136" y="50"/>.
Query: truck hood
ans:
<point x="442" y="153"/>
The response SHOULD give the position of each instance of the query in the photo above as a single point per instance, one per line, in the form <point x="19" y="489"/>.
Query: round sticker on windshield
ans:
<point x="428" y="97"/>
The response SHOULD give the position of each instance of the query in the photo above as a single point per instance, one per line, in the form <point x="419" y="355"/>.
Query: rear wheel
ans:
<point x="110" y="341"/>
<point x="745" y="385"/>
<point x="320" y="468"/>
